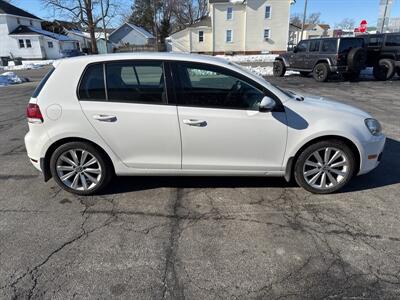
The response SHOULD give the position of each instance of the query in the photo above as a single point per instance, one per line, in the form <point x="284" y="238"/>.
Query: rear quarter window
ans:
<point x="42" y="83"/>
<point x="329" y="46"/>
<point x="92" y="84"/>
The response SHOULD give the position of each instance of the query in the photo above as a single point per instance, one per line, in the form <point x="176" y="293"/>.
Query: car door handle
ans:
<point x="193" y="122"/>
<point x="105" y="118"/>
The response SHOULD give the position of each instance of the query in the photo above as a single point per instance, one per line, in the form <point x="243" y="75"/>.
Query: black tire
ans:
<point x="321" y="72"/>
<point x="384" y="70"/>
<point x="351" y="76"/>
<point x="304" y="74"/>
<point x="398" y="72"/>
<point x="356" y="59"/>
<point x="305" y="155"/>
<point x="279" y="68"/>
<point x="104" y="176"/>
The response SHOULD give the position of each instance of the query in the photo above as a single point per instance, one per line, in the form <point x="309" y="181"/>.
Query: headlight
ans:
<point x="373" y="126"/>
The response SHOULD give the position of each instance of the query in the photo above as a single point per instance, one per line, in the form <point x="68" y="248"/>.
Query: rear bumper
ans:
<point x="372" y="154"/>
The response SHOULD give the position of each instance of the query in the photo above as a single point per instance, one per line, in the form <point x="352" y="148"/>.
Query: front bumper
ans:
<point x="372" y="154"/>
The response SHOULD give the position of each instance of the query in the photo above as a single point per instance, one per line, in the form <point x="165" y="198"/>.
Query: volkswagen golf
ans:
<point x="93" y="117"/>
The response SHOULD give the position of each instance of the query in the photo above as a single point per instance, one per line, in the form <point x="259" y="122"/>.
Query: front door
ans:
<point x="298" y="59"/>
<point x="129" y="110"/>
<point x="222" y="128"/>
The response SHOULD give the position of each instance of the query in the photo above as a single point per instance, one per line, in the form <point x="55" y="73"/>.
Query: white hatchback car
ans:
<point x="177" y="114"/>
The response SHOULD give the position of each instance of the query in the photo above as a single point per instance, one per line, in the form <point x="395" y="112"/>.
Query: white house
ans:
<point x="131" y="34"/>
<point x="21" y="35"/>
<point x="237" y="26"/>
<point x="314" y="31"/>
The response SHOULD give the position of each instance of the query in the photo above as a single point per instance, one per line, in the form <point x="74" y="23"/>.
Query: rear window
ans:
<point x="375" y="41"/>
<point x="42" y="83"/>
<point x="347" y="44"/>
<point x="393" y="40"/>
<point x="92" y="85"/>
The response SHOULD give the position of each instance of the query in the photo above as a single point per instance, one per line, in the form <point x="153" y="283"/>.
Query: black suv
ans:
<point x="323" y="57"/>
<point x="383" y="54"/>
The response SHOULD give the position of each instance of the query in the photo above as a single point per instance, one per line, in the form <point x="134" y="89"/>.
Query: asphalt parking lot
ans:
<point x="202" y="238"/>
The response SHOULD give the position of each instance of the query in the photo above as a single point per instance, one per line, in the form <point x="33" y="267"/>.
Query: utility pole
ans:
<point x="155" y="24"/>
<point x="304" y="19"/>
<point x="384" y="16"/>
<point x="104" y="25"/>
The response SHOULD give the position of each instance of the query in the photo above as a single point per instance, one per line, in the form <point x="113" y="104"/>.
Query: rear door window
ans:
<point x="42" y="83"/>
<point x="314" y="45"/>
<point x="393" y="40"/>
<point x="92" y="84"/>
<point x="329" y="46"/>
<point x="135" y="81"/>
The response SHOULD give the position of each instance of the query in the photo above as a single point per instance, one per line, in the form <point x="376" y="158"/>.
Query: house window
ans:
<point x="267" y="34"/>
<point x="50" y="44"/>
<point x="18" y="21"/>
<point x="201" y="36"/>
<point x="229" y="13"/>
<point x="229" y="36"/>
<point x="28" y="44"/>
<point x="21" y="43"/>
<point x="268" y="12"/>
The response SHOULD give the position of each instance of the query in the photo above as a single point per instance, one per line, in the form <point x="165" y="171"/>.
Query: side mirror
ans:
<point x="267" y="104"/>
<point x="295" y="49"/>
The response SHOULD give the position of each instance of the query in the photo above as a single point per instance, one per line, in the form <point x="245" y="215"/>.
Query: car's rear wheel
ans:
<point x="398" y="71"/>
<point x="356" y="59"/>
<point x="384" y="70"/>
<point x="304" y="74"/>
<point x="80" y="168"/>
<point x="325" y="167"/>
<point x="321" y="72"/>
<point x="279" y="68"/>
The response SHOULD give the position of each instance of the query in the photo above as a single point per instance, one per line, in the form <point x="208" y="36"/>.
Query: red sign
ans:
<point x="363" y="26"/>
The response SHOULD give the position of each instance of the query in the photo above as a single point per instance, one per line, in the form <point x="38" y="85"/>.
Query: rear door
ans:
<point x="313" y="53"/>
<point x="127" y="103"/>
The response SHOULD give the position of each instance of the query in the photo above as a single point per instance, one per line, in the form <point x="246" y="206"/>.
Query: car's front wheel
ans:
<point x="80" y="168"/>
<point x="325" y="167"/>
<point x="279" y="68"/>
<point x="321" y="72"/>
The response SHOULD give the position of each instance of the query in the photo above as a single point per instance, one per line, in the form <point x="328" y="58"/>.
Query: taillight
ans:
<point x="34" y="114"/>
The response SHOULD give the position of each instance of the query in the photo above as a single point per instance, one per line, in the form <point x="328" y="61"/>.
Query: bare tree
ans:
<point x="186" y="12"/>
<point x="296" y="19"/>
<point x="314" y="18"/>
<point x="87" y="12"/>
<point x="346" y="24"/>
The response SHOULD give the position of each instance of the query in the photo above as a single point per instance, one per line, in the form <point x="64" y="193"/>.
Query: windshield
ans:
<point x="42" y="83"/>
<point x="287" y="93"/>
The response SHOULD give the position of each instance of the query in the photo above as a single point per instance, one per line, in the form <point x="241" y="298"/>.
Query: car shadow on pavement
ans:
<point x="387" y="173"/>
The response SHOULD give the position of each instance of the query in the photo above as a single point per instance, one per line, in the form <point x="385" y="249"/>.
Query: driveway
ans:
<point x="201" y="238"/>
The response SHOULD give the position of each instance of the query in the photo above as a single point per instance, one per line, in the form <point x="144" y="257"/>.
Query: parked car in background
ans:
<point x="323" y="57"/>
<point x="72" y="53"/>
<point x="383" y="54"/>
<point x="177" y="114"/>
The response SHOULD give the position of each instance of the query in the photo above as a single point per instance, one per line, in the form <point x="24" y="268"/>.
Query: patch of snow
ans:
<point x="27" y="65"/>
<point x="8" y="78"/>
<point x="266" y="71"/>
<point x="250" y="58"/>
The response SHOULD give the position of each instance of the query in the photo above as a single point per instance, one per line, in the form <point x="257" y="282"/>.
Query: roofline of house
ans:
<point x="131" y="26"/>
<point x="23" y="17"/>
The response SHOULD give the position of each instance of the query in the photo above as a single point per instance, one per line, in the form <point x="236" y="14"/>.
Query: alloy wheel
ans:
<point x="78" y="169"/>
<point x="326" y="168"/>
